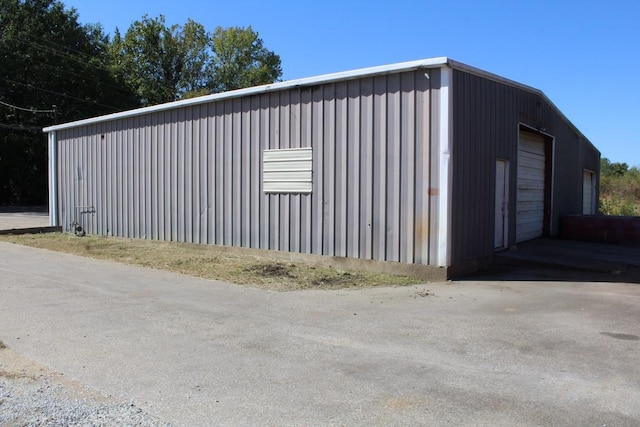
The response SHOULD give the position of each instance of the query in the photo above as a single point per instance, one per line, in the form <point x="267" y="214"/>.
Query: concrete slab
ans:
<point x="197" y="352"/>
<point x="17" y="217"/>
<point x="618" y="261"/>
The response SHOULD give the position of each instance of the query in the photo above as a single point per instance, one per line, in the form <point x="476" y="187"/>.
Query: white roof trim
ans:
<point x="326" y="78"/>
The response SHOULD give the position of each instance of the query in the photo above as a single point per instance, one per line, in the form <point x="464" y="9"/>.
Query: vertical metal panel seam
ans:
<point x="394" y="164"/>
<point x="196" y="174"/>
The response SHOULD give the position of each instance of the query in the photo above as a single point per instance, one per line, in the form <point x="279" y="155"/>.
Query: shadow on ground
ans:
<point x="550" y="274"/>
<point x="564" y="260"/>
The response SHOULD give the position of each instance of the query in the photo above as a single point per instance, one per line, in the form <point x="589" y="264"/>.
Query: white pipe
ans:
<point x="446" y="170"/>
<point x="53" y="179"/>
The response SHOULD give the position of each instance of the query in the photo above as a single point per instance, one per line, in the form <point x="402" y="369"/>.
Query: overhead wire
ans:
<point x="66" y="55"/>
<point x="30" y="110"/>
<point x="20" y="127"/>
<point x="79" y="57"/>
<point x="63" y="51"/>
<point x="28" y="85"/>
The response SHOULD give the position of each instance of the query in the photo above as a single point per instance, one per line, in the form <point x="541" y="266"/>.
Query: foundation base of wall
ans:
<point x="427" y="273"/>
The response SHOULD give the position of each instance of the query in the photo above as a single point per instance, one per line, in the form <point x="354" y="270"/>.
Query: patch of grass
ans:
<point x="209" y="262"/>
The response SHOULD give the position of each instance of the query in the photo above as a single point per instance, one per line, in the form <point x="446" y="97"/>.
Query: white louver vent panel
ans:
<point x="287" y="170"/>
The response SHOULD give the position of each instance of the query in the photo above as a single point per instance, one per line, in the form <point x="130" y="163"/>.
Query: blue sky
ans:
<point x="584" y="55"/>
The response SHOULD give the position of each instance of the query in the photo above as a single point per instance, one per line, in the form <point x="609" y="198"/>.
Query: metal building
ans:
<point x="428" y="162"/>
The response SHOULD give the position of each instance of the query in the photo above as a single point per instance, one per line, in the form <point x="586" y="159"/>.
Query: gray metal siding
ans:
<point x="486" y="117"/>
<point x="192" y="174"/>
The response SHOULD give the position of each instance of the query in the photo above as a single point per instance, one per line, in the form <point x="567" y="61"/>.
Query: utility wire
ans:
<point x="19" y="127"/>
<point x="62" y="94"/>
<point x="83" y="59"/>
<point x="66" y="55"/>
<point x="122" y="92"/>
<point x="62" y="49"/>
<point x="65" y="51"/>
<point x="30" y="110"/>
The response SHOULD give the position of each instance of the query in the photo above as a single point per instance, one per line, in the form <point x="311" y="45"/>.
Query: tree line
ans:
<point x="54" y="69"/>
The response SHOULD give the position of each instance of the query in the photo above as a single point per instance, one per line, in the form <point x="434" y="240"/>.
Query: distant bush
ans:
<point x="619" y="189"/>
<point x="617" y="207"/>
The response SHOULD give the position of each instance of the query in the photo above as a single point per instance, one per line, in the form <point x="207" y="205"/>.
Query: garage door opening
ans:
<point x="533" y="195"/>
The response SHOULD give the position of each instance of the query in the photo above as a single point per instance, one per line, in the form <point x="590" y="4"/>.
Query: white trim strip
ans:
<point x="53" y="180"/>
<point x="446" y="170"/>
<point x="326" y="78"/>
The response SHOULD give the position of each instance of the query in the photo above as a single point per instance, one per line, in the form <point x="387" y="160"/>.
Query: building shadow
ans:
<point x="564" y="260"/>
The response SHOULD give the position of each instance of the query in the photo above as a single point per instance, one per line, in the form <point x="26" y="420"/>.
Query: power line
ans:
<point x="83" y="59"/>
<point x="66" y="55"/>
<point x="30" y="110"/>
<point x="20" y="127"/>
<point x="62" y="94"/>
<point x="63" y="51"/>
<point x="121" y="91"/>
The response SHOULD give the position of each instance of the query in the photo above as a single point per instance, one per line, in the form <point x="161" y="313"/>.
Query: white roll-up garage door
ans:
<point x="531" y="176"/>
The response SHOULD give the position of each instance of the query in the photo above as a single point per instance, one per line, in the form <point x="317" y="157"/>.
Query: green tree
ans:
<point x="46" y="58"/>
<point x="607" y="168"/>
<point x="240" y="60"/>
<point x="158" y="62"/>
<point x="162" y="63"/>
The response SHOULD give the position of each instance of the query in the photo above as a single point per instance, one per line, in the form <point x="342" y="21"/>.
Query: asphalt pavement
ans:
<point x="514" y="349"/>
<point x="19" y="217"/>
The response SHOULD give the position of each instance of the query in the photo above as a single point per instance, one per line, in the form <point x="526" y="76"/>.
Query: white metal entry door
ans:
<point x="502" y="204"/>
<point x="531" y="180"/>
<point x="588" y="193"/>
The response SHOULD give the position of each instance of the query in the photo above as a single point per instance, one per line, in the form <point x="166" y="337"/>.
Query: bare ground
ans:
<point x="209" y="262"/>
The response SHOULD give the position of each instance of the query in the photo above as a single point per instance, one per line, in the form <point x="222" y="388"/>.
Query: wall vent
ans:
<point x="287" y="170"/>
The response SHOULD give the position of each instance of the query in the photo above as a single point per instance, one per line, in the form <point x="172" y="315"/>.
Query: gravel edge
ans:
<point x="34" y="395"/>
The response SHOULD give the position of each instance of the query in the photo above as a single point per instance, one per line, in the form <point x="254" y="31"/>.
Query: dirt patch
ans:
<point x="343" y="279"/>
<point x="206" y="262"/>
<point x="271" y="269"/>
<point x="279" y="275"/>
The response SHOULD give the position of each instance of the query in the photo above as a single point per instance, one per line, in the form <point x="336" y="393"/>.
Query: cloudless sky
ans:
<point x="583" y="54"/>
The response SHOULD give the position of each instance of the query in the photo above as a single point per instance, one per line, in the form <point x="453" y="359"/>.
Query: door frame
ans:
<point x="501" y="213"/>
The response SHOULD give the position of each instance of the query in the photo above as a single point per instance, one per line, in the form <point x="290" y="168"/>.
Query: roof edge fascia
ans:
<point x="308" y="81"/>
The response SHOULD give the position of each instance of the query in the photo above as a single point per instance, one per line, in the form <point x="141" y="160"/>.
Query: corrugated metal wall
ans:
<point x="486" y="118"/>
<point x="193" y="174"/>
